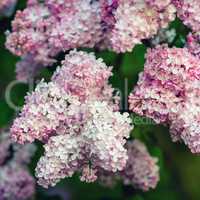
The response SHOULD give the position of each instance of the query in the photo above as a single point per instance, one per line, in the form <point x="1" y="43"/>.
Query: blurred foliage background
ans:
<point x="179" y="169"/>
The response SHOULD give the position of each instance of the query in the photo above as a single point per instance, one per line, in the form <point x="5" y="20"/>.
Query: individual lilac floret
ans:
<point x="167" y="92"/>
<point x="99" y="145"/>
<point x="136" y="20"/>
<point x="141" y="169"/>
<point x="189" y="12"/>
<point x="7" y="7"/>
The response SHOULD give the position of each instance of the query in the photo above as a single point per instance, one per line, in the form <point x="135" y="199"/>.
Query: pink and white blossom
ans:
<point x="76" y="116"/>
<point x="167" y="91"/>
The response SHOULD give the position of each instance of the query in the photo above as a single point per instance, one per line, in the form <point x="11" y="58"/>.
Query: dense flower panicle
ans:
<point x="15" y="181"/>
<point x="30" y="32"/>
<point x="45" y="29"/>
<point x="99" y="145"/>
<point x="59" y="105"/>
<point x="141" y="169"/>
<point x="167" y="92"/>
<point x="187" y="123"/>
<point x="189" y="12"/>
<point x="77" y="23"/>
<point x="16" y="184"/>
<point x="128" y="31"/>
<point x="59" y="161"/>
<point x="46" y="110"/>
<point x="75" y="114"/>
<point x="7" y="7"/>
<point x="85" y="76"/>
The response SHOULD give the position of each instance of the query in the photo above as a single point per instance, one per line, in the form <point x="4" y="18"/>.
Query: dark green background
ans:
<point x="179" y="169"/>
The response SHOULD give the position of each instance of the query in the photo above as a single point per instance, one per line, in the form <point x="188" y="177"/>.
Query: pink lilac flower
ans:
<point x="47" y="109"/>
<point x="45" y="29"/>
<point x="76" y="23"/>
<point x="15" y="181"/>
<point x="187" y="122"/>
<point x="99" y="145"/>
<point x="84" y="128"/>
<point x="16" y="184"/>
<point x="189" y="12"/>
<point x="7" y="7"/>
<point x="85" y="76"/>
<point x="31" y="28"/>
<point x="167" y="92"/>
<point x="147" y="18"/>
<point x="141" y="171"/>
<point x="58" y="104"/>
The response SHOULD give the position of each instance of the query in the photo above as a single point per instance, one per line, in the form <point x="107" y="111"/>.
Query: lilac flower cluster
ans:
<point x="16" y="184"/>
<point x="75" y="116"/>
<point x="7" y="7"/>
<point x="43" y="30"/>
<point x="168" y="90"/>
<point x="85" y="77"/>
<point x="188" y="12"/>
<point x="127" y="31"/>
<point x="15" y="181"/>
<point x="141" y="171"/>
